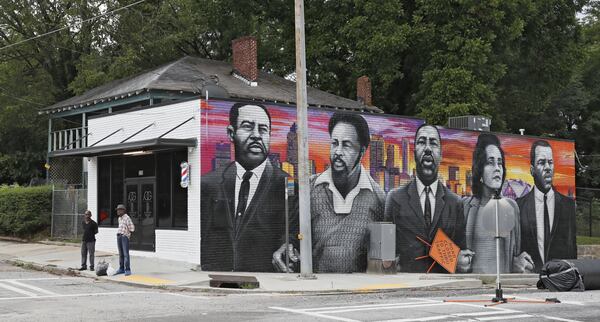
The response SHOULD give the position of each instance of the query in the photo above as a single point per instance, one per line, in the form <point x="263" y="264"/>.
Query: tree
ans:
<point x="539" y="65"/>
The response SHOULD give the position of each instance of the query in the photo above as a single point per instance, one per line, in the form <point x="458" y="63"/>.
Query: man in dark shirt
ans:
<point x="88" y="241"/>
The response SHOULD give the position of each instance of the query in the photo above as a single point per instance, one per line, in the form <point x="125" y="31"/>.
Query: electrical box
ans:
<point x="383" y="241"/>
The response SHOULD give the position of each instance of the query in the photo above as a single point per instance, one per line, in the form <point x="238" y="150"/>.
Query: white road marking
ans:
<point x="395" y="307"/>
<point x="38" y="279"/>
<point x="31" y="287"/>
<point x="557" y="318"/>
<point x="505" y="317"/>
<point x="366" y="306"/>
<point x="17" y="290"/>
<point x="318" y="315"/>
<point x="488" y="313"/>
<point x="427" y="318"/>
<point x="470" y="314"/>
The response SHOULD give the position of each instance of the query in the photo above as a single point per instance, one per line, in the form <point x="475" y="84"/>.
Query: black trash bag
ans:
<point x="101" y="268"/>
<point x="560" y="276"/>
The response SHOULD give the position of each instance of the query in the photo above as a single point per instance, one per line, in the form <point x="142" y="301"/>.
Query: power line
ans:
<point x="4" y="91"/>
<point x="66" y="27"/>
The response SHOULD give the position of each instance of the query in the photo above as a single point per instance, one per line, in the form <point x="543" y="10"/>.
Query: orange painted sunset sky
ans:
<point x="457" y="145"/>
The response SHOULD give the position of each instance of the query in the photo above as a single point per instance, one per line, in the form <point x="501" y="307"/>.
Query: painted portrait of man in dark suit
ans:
<point x="243" y="202"/>
<point x="423" y="206"/>
<point x="547" y="216"/>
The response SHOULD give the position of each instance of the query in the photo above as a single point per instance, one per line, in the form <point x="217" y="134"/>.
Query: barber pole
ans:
<point x="185" y="174"/>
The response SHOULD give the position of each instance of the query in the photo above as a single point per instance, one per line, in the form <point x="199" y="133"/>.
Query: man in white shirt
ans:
<point x="243" y="203"/>
<point x="547" y="217"/>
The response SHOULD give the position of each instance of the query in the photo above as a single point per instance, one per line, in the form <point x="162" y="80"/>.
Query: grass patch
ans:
<point x="586" y="240"/>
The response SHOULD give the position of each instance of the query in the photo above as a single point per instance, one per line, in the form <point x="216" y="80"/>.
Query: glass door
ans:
<point x="141" y="204"/>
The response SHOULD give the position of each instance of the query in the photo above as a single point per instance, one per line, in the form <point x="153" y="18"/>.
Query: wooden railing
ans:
<point x="69" y="139"/>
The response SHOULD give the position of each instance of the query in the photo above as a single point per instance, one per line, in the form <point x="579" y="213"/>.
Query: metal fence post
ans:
<point x="590" y="223"/>
<point x="52" y="215"/>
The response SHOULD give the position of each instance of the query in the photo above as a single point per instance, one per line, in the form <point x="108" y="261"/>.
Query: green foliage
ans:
<point x="462" y="43"/>
<point x="515" y="61"/>
<point x="24" y="211"/>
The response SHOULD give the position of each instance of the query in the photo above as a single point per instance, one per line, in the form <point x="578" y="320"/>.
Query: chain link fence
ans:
<point x="68" y="205"/>
<point x="588" y="212"/>
<point x="65" y="171"/>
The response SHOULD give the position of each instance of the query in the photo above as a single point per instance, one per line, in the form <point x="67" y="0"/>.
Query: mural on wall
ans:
<point x="423" y="205"/>
<point x="344" y="199"/>
<point x="370" y="167"/>
<point x="547" y="216"/>
<point x="242" y="205"/>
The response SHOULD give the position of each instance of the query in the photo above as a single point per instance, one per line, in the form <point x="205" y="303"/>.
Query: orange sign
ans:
<point x="444" y="251"/>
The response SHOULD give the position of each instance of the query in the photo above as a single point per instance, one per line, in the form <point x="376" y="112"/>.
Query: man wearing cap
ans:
<point x="126" y="227"/>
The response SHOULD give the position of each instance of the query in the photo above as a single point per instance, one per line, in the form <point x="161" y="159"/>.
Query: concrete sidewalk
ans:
<point x="64" y="258"/>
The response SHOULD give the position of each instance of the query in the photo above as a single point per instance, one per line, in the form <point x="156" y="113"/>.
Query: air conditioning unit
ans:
<point x="470" y="122"/>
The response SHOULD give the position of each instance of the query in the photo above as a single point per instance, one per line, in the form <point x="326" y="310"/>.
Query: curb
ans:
<point x="451" y="285"/>
<point x="45" y="242"/>
<point x="14" y="239"/>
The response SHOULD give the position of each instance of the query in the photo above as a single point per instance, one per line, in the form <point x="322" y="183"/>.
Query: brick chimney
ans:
<point x="244" y="59"/>
<point x="363" y="90"/>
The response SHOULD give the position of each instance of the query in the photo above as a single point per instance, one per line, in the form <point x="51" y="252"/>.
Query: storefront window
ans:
<point x="139" y="166"/>
<point x="116" y="187"/>
<point x="180" y="213"/>
<point x="171" y="199"/>
<point x="163" y="189"/>
<point x="104" y="208"/>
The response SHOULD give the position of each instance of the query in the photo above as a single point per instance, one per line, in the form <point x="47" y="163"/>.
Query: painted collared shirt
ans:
<point x="539" y="216"/>
<point x="254" y="180"/>
<point x="343" y="205"/>
<point x="432" y="195"/>
<point x="340" y="237"/>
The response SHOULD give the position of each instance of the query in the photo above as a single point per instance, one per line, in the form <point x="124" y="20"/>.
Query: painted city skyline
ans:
<point x="389" y="158"/>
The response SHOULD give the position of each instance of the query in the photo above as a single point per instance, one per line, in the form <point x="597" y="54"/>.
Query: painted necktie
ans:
<point x="546" y="229"/>
<point x="427" y="211"/>
<point x="243" y="194"/>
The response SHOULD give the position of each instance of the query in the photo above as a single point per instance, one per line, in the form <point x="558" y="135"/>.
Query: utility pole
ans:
<point x="302" y="121"/>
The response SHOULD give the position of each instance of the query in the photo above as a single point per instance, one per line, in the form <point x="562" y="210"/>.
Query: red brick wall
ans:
<point x="363" y="90"/>
<point x="245" y="58"/>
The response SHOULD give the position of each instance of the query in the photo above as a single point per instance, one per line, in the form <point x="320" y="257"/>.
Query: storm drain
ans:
<point x="233" y="281"/>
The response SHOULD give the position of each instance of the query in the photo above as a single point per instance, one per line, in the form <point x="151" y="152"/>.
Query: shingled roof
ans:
<point x="191" y="74"/>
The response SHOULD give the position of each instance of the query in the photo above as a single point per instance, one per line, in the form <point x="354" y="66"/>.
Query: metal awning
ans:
<point x="156" y="144"/>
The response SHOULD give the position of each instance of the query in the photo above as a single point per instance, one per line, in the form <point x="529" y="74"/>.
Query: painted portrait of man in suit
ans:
<point x="243" y="202"/>
<point x="423" y="206"/>
<point x="547" y="216"/>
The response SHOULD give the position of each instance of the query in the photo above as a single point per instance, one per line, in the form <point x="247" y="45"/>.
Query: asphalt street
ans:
<point x="28" y="295"/>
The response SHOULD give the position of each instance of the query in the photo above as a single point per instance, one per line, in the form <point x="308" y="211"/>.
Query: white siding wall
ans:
<point x="181" y="245"/>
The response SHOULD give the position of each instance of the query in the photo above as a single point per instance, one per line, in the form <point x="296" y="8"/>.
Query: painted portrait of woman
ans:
<point x="489" y="174"/>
